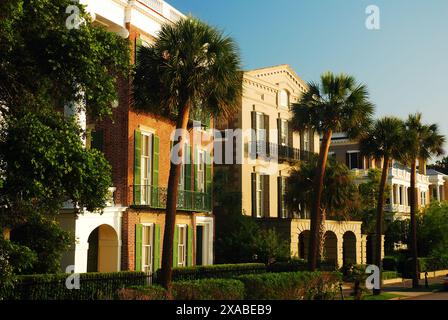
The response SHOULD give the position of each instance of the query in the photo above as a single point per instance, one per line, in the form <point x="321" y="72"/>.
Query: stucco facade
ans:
<point x="267" y="97"/>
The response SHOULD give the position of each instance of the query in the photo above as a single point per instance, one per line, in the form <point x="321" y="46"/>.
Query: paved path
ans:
<point x="432" y="296"/>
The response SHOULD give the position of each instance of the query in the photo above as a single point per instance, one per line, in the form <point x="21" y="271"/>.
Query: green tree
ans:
<point x="338" y="103"/>
<point x="339" y="195"/>
<point x="191" y="68"/>
<point x="440" y="165"/>
<point x="384" y="141"/>
<point x="421" y="143"/>
<point x="240" y="239"/>
<point x="44" y="64"/>
<point x="432" y="237"/>
<point x="45" y="238"/>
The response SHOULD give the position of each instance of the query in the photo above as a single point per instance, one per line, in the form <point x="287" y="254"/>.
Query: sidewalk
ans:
<point x="405" y="288"/>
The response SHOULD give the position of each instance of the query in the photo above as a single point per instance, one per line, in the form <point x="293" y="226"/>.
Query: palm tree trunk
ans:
<point x="322" y="230"/>
<point x="379" y="221"/>
<point x="171" y="206"/>
<point x="413" y="235"/>
<point x="314" y="245"/>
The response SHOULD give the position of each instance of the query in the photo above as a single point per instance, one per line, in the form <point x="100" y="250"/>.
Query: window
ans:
<point x="260" y="127"/>
<point x="354" y="160"/>
<point x="147" y="248"/>
<point x="146" y="168"/>
<point x="284" y="213"/>
<point x="423" y="198"/>
<point x="306" y="141"/>
<point x="284" y="132"/>
<point x="201" y="171"/>
<point x="183" y="168"/>
<point x="182" y="246"/>
<point x="284" y="99"/>
<point x="259" y="195"/>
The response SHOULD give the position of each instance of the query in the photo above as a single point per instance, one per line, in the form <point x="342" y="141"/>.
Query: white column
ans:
<point x="438" y="193"/>
<point x="81" y="250"/>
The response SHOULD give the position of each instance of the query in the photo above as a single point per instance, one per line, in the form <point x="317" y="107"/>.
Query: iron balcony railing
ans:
<point x="156" y="197"/>
<point x="283" y="153"/>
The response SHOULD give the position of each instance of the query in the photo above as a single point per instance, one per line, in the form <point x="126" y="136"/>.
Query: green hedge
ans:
<point x="204" y="289"/>
<point x="218" y="271"/>
<point x="93" y="286"/>
<point x="291" y="286"/>
<point x="387" y="275"/>
<point x="209" y="289"/>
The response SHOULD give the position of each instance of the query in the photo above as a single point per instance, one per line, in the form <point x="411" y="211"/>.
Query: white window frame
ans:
<point x="284" y="99"/>
<point x="260" y="126"/>
<point x="146" y="163"/>
<point x="284" y="213"/>
<point x="259" y="195"/>
<point x="350" y="152"/>
<point x="183" y="169"/>
<point x="284" y="133"/>
<point x="201" y="168"/>
<point x="182" y="245"/>
<point x="306" y="141"/>
<point x="148" y="248"/>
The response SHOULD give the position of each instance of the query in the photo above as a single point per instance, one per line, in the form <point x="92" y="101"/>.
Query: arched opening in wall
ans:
<point x="304" y="240"/>
<point x="102" y="255"/>
<point x="331" y="248"/>
<point x="349" y="248"/>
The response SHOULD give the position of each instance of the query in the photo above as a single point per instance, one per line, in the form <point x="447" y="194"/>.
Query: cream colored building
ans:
<point x="269" y="148"/>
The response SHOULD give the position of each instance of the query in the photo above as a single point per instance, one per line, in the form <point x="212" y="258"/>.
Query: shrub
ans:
<point x="291" y="286"/>
<point x="390" y="263"/>
<point x="216" y="271"/>
<point x="142" y="293"/>
<point x="387" y="275"/>
<point x="209" y="289"/>
<point x="93" y="286"/>
<point x="288" y="266"/>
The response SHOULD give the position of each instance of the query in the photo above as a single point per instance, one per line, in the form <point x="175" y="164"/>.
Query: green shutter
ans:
<point x="279" y="131"/>
<point x="196" y="163"/>
<point x="138" y="247"/>
<point x="189" y="246"/>
<point x="137" y="166"/>
<point x="254" y="194"/>
<point x="155" y="160"/>
<point x="138" y="44"/>
<point x="156" y="263"/>
<point x="188" y="168"/>
<point x="290" y="135"/>
<point x="175" y="245"/>
<point x="208" y="173"/>
<point x="280" y="196"/>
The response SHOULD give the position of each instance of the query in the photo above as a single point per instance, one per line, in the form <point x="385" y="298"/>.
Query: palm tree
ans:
<point x="191" y="68"/>
<point x="384" y="141"/>
<point x="421" y="143"/>
<point x="336" y="104"/>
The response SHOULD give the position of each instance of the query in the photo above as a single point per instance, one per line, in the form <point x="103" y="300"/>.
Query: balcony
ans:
<point x="156" y="197"/>
<point x="282" y="153"/>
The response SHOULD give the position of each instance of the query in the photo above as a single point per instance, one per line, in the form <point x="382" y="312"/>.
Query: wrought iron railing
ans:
<point x="283" y="153"/>
<point x="156" y="198"/>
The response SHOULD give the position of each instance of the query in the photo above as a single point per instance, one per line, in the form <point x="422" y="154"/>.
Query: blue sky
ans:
<point x="404" y="63"/>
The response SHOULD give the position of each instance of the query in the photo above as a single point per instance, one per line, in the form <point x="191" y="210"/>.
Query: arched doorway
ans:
<point x="102" y="255"/>
<point x="349" y="248"/>
<point x="304" y="240"/>
<point x="331" y="248"/>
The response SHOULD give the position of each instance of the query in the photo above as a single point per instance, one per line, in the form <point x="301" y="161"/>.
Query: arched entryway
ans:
<point x="304" y="240"/>
<point x="349" y="248"/>
<point x="331" y="248"/>
<point x="102" y="255"/>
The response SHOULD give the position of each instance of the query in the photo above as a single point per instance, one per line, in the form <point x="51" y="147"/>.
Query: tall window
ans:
<point x="260" y="127"/>
<point x="146" y="168"/>
<point x="201" y="171"/>
<point x="182" y="246"/>
<point x="306" y="141"/>
<point x="284" y="132"/>
<point x="183" y="168"/>
<point x="259" y="195"/>
<point x="147" y="248"/>
<point x="423" y="198"/>
<point x="354" y="160"/>
<point x="284" y="213"/>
